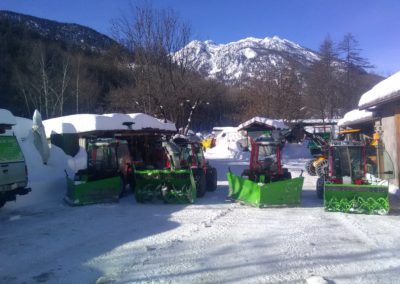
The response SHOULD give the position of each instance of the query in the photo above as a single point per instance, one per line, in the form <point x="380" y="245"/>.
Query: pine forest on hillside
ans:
<point x="140" y="73"/>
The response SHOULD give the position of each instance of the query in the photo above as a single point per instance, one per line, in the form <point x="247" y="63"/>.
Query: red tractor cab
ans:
<point x="355" y="183"/>
<point x="193" y="156"/>
<point x="347" y="160"/>
<point x="265" y="162"/>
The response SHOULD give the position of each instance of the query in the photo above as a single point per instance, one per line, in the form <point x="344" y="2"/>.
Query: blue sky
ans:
<point x="375" y="23"/>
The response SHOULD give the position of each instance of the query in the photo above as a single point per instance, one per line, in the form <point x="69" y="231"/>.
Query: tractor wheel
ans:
<point x="132" y="183"/>
<point x="322" y="168"/>
<point x="310" y="168"/>
<point x="287" y="175"/>
<point x="320" y="187"/>
<point x="211" y="178"/>
<point x="122" y="187"/>
<point x="200" y="180"/>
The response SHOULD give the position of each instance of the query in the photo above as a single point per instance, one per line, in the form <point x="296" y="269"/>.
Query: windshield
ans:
<point x="348" y="161"/>
<point x="267" y="152"/>
<point x="102" y="157"/>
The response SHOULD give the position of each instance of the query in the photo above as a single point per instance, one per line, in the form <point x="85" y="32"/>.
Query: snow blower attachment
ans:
<point x="355" y="181"/>
<point x="171" y="186"/>
<point x="266" y="182"/>
<point x="104" y="178"/>
<point x="165" y="179"/>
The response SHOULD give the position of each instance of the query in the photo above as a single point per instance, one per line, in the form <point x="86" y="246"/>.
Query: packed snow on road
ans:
<point x="43" y="240"/>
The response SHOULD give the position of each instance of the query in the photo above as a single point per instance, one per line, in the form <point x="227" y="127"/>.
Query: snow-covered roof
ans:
<point x="321" y="121"/>
<point x="356" y="116"/>
<point x="6" y="117"/>
<point x="268" y="122"/>
<point x="385" y="91"/>
<point x="81" y="123"/>
<point x="221" y="128"/>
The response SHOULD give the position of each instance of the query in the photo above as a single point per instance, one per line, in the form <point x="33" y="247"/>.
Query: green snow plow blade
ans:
<point x="89" y="192"/>
<point x="176" y="186"/>
<point x="285" y="192"/>
<point x="352" y="198"/>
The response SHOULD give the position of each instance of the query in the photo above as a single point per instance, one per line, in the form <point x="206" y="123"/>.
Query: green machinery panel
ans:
<point x="352" y="198"/>
<point x="171" y="186"/>
<point x="279" y="193"/>
<point x="89" y="192"/>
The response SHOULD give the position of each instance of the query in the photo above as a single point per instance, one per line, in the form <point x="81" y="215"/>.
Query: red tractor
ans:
<point x="266" y="182"/>
<point x="265" y="162"/>
<point x="193" y="157"/>
<point x="355" y="181"/>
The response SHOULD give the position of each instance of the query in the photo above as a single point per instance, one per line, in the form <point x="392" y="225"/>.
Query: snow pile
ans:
<point x="384" y="91"/>
<point x="356" y="116"/>
<point x="6" y="117"/>
<point x="81" y="123"/>
<point x="316" y="280"/>
<point x="274" y="123"/>
<point x="39" y="137"/>
<point x="47" y="182"/>
<point x="228" y="145"/>
<point x="23" y="128"/>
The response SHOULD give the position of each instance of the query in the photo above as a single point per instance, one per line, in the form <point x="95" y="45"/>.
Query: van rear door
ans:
<point x="12" y="162"/>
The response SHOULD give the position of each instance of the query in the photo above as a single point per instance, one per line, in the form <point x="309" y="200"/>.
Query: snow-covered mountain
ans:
<point x="74" y="34"/>
<point x="243" y="58"/>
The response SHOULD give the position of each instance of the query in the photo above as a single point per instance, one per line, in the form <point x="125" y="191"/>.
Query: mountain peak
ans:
<point x="77" y="35"/>
<point x="243" y="58"/>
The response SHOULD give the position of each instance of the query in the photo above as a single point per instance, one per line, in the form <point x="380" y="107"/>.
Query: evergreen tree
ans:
<point x="352" y="79"/>
<point x="322" y="84"/>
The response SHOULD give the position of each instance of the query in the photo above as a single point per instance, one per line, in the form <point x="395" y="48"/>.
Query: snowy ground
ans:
<point x="212" y="241"/>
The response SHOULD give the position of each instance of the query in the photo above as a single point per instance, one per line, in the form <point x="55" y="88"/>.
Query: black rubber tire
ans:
<point x="320" y="187"/>
<point x="132" y="183"/>
<point x="245" y="173"/>
<point x="322" y="168"/>
<point x="211" y="179"/>
<point x="310" y="169"/>
<point x="201" y="183"/>
<point x="122" y="187"/>
<point x="287" y="175"/>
